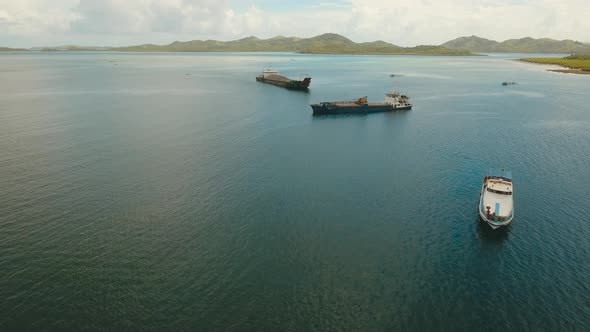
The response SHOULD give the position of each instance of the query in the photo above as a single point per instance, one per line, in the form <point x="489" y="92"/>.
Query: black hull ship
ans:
<point x="274" y="78"/>
<point x="393" y="102"/>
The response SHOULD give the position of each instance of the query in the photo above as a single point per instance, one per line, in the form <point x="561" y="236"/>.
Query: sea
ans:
<point x="171" y="191"/>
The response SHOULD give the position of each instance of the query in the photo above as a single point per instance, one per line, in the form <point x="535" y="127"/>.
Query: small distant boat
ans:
<point x="273" y="77"/>
<point x="496" y="206"/>
<point x="393" y="101"/>
<point x="508" y="83"/>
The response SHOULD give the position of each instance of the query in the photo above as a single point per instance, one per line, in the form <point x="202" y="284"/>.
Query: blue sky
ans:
<point x="27" y="23"/>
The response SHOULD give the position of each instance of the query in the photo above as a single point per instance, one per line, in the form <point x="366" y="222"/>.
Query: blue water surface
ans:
<point x="174" y="192"/>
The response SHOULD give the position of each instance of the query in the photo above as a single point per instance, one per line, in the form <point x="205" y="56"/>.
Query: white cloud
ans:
<point x="30" y="17"/>
<point x="413" y="22"/>
<point x="404" y="22"/>
<point x="196" y="18"/>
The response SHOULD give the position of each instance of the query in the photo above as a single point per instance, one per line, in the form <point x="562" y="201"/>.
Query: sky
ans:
<point x="34" y="23"/>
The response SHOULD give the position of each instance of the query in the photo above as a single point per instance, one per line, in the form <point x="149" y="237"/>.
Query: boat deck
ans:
<point x="356" y="105"/>
<point x="277" y="78"/>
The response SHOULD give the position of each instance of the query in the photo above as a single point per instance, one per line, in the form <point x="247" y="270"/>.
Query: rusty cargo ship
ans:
<point x="393" y="101"/>
<point x="273" y="77"/>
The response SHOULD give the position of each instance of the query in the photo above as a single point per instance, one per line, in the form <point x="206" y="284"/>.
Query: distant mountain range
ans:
<point x="73" y="48"/>
<point x="331" y="43"/>
<point x="328" y="43"/>
<point x="8" y="49"/>
<point x="523" y="45"/>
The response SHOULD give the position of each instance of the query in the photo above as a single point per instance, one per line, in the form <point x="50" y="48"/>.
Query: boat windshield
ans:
<point x="499" y="192"/>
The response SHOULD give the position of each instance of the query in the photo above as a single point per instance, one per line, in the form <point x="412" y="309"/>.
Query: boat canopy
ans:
<point x="500" y="173"/>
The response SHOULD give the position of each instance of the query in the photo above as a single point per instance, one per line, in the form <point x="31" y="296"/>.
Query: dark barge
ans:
<point x="274" y="78"/>
<point x="393" y="102"/>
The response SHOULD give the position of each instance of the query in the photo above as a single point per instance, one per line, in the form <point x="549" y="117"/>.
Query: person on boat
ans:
<point x="488" y="212"/>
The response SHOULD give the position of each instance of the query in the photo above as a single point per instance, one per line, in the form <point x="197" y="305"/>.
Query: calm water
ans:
<point x="173" y="192"/>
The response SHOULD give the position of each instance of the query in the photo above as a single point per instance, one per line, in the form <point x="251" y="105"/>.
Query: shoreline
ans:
<point x="563" y="63"/>
<point x="570" y="71"/>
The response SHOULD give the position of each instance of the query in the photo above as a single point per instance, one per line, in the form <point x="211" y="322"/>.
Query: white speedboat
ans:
<point x="496" y="206"/>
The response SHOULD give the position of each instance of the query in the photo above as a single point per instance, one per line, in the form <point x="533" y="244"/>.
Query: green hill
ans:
<point x="8" y="49"/>
<point x="522" y="45"/>
<point x="328" y="43"/>
<point x="331" y="43"/>
<point x="473" y="43"/>
<point x="73" y="48"/>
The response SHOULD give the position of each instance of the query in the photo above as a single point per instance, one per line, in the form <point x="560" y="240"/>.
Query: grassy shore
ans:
<point x="576" y="64"/>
